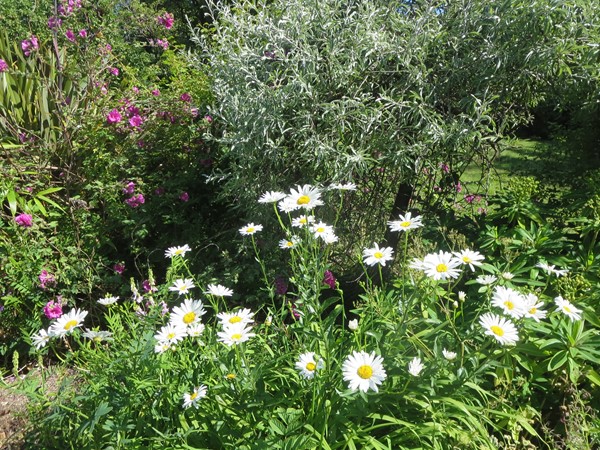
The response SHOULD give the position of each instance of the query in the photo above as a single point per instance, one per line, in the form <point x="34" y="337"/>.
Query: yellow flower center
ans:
<point x="320" y="230"/>
<point x="405" y="224"/>
<point x="193" y="396"/>
<point x="236" y="337"/>
<point x="532" y="310"/>
<point x="467" y="259"/>
<point x="303" y="200"/>
<point x="250" y="230"/>
<point x="289" y="243"/>
<point x="565" y="308"/>
<point x="365" y="372"/>
<point x="235" y="319"/>
<point x="230" y="376"/>
<point x="178" y="251"/>
<point x="509" y="305"/>
<point x="170" y="336"/>
<point x="189" y="318"/>
<point x="441" y="268"/>
<point x="497" y="330"/>
<point x="303" y="220"/>
<point x="311" y="366"/>
<point x="70" y="324"/>
<point x="378" y="255"/>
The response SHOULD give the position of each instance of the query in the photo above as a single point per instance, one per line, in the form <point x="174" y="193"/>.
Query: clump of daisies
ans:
<point x="60" y="327"/>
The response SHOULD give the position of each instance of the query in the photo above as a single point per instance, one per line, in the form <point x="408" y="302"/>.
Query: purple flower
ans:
<point x="3" y="66"/>
<point x="70" y="35"/>
<point x="114" y="71"/>
<point x="148" y="287"/>
<point x="163" y="43"/>
<point x="166" y="20"/>
<point x="114" y="116"/>
<point x="119" y="268"/>
<point x="135" y="201"/>
<point x="281" y="286"/>
<point x="129" y="188"/>
<point x="185" y="97"/>
<point x="159" y="191"/>
<point x="46" y="279"/>
<point x="295" y="311"/>
<point x="155" y="92"/>
<point x="83" y="33"/>
<point x="54" y="22"/>
<point x="469" y="198"/>
<point x="135" y="89"/>
<point x="329" y="279"/>
<point x="24" y="220"/>
<point x="445" y="168"/>
<point x="208" y="118"/>
<point x="184" y="197"/>
<point x="29" y="45"/>
<point x="136" y="121"/>
<point x="53" y="310"/>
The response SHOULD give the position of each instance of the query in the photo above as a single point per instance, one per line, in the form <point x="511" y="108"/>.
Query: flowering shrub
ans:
<point x="423" y="363"/>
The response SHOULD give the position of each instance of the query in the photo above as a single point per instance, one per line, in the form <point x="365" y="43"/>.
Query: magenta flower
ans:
<point x="24" y="220"/>
<point x="70" y="35"/>
<point x="155" y="92"/>
<point x="129" y="188"/>
<point x="53" y="310"/>
<point x="469" y="198"/>
<point x="445" y="168"/>
<point x="136" y="121"/>
<point x="159" y="191"/>
<point x="3" y="66"/>
<point x="184" y="197"/>
<point x="46" y="279"/>
<point x="208" y="118"/>
<point x="148" y="287"/>
<point x="166" y="20"/>
<point x="83" y="33"/>
<point x="185" y="97"/>
<point x="329" y="279"/>
<point x="114" y="116"/>
<point x="135" y="201"/>
<point x="119" y="268"/>
<point x="135" y="89"/>
<point x="114" y="71"/>
<point x="54" y="22"/>
<point x="29" y="45"/>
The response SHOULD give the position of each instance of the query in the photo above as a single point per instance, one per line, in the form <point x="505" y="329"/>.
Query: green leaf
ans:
<point x="558" y="360"/>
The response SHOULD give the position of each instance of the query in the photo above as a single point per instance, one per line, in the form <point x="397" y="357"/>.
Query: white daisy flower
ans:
<point x="162" y="347"/>
<point x="343" y="187"/>
<point x="171" y="333"/>
<point x="108" y="300"/>
<point x="250" y="229"/>
<point x="66" y="323"/>
<point x="188" y="313"/>
<point x="415" y="367"/>
<point x="532" y="307"/>
<point x="171" y="252"/>
<point x="271" y="197"/>
<point x="329" y="238"/>
<point x="40" y="339"/>
<point x="307" y="365"/>
<point x="462" y="296"/>
<point x="448" y="354"/>
<point x="405" y="223"/>
<point x="303" y="221"/>
<point x="235" y="334"/>
<point x="192" y="398"/>
<point x="511" y="301"/>
<point x="486" y="280"/>
<point x="306" y="197"/>
<point x="417" y="264"/>
<point x="363" y="371"/>
<point x="441" y="266"/>
<point x="567" y="308"/>
<point x="320" y="229"/>
<point x="182" y="286"/>
<point x="286" y="244"/>
<point x="501" y="329"/>
<point x="353" y="324"/>
<point x="470" y="258"/>
<point x="243" y="316"/>
<point x="551" y="268"/>
<point x="377" y="255"/>
<point x="507" y="276"/>
<point x="195" y="330"/>
<point x="218" y="290"/>
<point x="98" y="336"/>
